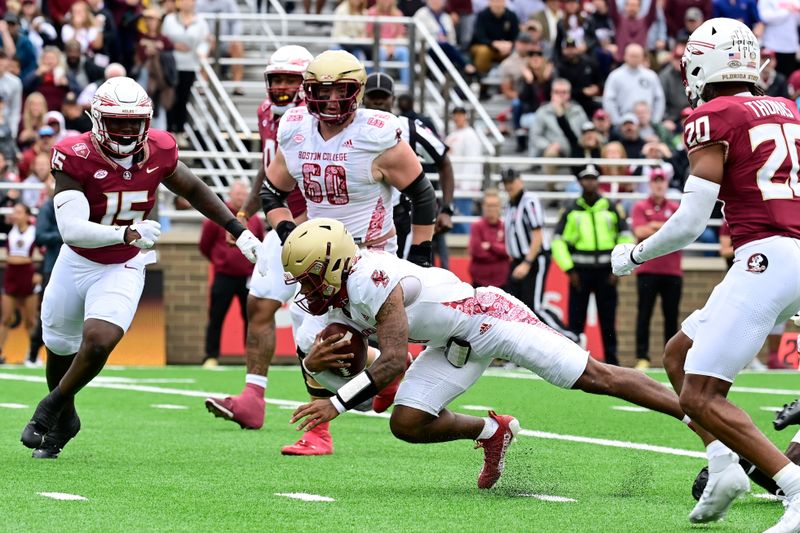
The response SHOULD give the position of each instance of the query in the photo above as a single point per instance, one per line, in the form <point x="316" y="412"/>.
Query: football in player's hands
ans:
<point x="148" y="233"/>
<point x="356" y="345"/>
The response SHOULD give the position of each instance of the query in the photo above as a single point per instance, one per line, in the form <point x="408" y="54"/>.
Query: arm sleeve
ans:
<point x="72" y="217"/>
<point x="688" y="222"/>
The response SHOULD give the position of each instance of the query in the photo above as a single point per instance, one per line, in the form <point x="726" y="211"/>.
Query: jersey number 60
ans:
<point x="335" y="184"/>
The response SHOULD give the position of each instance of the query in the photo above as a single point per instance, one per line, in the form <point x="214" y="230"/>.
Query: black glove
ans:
<point x="284" y="228"/>
<point x="421" y="254"/>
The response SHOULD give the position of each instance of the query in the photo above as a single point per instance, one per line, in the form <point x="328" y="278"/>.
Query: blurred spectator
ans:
<point x="496" y="29"/>
<point x="39" y="30"/>
<point x="628" y="134"/>
<point x="113" y="70"/>
<point x="18" y="279"/>
<point x="74" y="117"/>
<point x="405" y="108"/>
<point x="581" y="71"/>
<point x="81" y="70"/>
<point x="15" y="39"/>
<point x="548" y="20"/>
<point x="45" y="139"/>
<point x="780" y="20"/>
<point x="662" y="277"/>
<point x="345" y="30"/>
<point x="319" y="5"/>
<point x="529" y="249"/>
<point x="39" y="173"/>
<point x="409" y="8"/>
<point x="591" y="141"/>
<point x="11" y="93"/>
<point x="436" y="20"/>
<point x="630" y="28"/>
<point x="672" y="85"/>
<point x="745" y="11"/>
<point x="691" y="21"/>
<point x="677" y="9"/>
<point x="793" y="86"/>
<point x="127" y="14"/>
<point x="488" y="258"/>
<point x="154" y="66"/>
<point x="604" y="32"/>
<point x="231" y="270"/>
<point x="614" y="150"/>
<point x="228" y="28"/>
<point x="510" y="69"/>
<point x="772" y="82"/>
<point x="8" y="141"/>
<point x="84" y="27"/>
<point x="648" y="128"/>
<point x="49" y="238"/>
<point x="33" y="111"/>
<point x="557" y="125"/>
<point x="534" y="30"/>
<point x="463" y="15"/>
<point x="602" y="122"/>
<point x="534" y="91"/>
<point x="657" y="38"/>
<point x="111" y="37"/>
<point x="55" y="120"/>
<point x="463" y="141"/>
<point x="49" y="78"/>
<point x="190" y="35"/>
<point x="632" y="76"/>
<point x="575" y="26"/>
<point x="582" y="242"/>
<point x="390" y="30"/>
<point x="8" y="197"/>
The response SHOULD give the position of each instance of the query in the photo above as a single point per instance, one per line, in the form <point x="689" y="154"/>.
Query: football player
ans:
<point x="106" y="184"/>
<point x="463" y="329"/>
<point x="743" y="150"/>
<point x="284" y="78"/>
<point x="345" y="161"/>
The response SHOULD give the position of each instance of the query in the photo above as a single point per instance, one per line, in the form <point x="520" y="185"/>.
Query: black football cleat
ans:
<point x="67" y="427"/>
<point x="44" y="418"/>
<point x="700" y="483"/>
<point x="789" y="415"/>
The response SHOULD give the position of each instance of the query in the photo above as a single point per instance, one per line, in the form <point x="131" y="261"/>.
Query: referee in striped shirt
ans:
<point x="529" y="249"/>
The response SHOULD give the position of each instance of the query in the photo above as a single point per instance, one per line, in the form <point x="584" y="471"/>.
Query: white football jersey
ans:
<point x="335" y="176"/>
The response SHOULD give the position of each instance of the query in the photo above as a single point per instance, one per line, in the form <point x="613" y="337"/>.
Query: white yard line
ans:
<point x="630" y="408"/>
<point x="169" y="406"/>
<point x="305" y="496"/>
<point x="548" y="498"/>
<point x="613" y="443"/>
<point x="13" y="405"/>
<point x="477" y="408"/>
<point x="62" y="496"/>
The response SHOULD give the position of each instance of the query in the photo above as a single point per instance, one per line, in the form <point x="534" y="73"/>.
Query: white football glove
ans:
<point x="621" y="263"/>
<point x="247" y="244"/>
<point x="149" y="231"/>
<point x="262" y="264"/>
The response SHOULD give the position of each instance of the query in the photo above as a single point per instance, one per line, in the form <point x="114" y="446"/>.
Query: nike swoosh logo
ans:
<point x="149" y="170"/>
<point x="68" y="201"/>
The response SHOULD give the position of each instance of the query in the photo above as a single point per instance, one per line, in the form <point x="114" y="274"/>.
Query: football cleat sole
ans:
<point x="789" y="415"/>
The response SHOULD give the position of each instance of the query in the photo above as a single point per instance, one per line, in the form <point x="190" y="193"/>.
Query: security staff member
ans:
<point x="529" y="249"/>
<point x="586" y="233"/>
<point x="432" y="153"/>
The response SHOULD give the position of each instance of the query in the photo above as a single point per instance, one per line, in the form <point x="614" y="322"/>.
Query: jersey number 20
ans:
<point x="785" y="140"/>
<point x="335" y="184"/>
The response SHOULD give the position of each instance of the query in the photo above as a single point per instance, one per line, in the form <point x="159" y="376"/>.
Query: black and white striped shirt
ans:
<point x="521" y="217"/>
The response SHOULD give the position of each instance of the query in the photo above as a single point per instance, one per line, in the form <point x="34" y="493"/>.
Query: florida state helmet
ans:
<point x="120" y="98"/>
<point x="288" y="60"/>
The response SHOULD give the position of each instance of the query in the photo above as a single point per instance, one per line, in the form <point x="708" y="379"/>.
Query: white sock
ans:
<point x="686" y="420"/>
<point x="255" y="379"/>
<point x="788" y="479"/>
<point x="796" y="437"/>
<point x="490" y="426"/>
<point x="719" y="456"/>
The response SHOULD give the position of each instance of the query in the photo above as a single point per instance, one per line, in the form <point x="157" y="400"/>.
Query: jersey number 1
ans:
<point x="335" y="184"/>
<point x="785" y="140"/>
<point x="119" y="207"/>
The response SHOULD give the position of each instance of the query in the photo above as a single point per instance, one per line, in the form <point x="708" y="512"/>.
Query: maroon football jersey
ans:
<point x="116" y="196"/>
<point x="268" y="130"/>
<point x="760" y="185"/>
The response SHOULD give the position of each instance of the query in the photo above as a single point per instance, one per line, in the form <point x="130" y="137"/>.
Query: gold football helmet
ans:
<point x="334" y="86"/>
<point x="318" y="254"/>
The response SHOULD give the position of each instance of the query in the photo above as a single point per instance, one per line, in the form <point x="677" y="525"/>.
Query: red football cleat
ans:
<point x="318" y="441"/>
<point x="494" y="449"/>
<point x="247" y="410"/>
<point x="385" y="398"/>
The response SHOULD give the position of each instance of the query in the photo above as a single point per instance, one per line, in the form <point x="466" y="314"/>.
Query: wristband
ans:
<point x="307" y="371"/>
<point x="337" y="404"/>
<point x="634" y="261"/>
<point x="234" y="227"/>
<point x="447" y="209"/>
<point x="284" y="228"/>
<point x="359" y="389"/>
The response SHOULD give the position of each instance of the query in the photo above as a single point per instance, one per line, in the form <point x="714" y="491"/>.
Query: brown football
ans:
<point x="357" y="346"/>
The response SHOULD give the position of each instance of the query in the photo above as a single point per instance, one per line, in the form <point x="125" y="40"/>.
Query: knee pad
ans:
<point x="61" y="345"/>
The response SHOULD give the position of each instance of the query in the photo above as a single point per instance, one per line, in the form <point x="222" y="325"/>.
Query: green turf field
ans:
<point x="145" y="468"/>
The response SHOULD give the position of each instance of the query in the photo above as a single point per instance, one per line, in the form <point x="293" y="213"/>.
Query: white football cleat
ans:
<point x="723" y="487"/>
<point x="790" y="521"/>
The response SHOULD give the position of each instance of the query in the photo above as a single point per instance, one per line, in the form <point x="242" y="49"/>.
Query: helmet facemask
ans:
<point x="122" y="135"/>
<point x="284" y="95"/>
<point x="332" y="102"/>
<point x="316" y="294"/>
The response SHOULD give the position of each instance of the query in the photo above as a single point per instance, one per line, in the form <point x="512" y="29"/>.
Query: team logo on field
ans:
<point x="757" y="263"/>
<point x="100" y="174"/>
<point x="298" y="138"/>
<point x="81" y="150"/>
<point x="484" y="328"/>
<point x="379" y="278"/>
